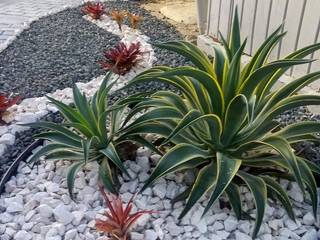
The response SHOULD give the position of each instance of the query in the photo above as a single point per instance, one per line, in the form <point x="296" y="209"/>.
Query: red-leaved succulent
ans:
<point x="121" y="58"/>
<point x="119" y="219"/>
<point x="94" y="10"/>
<point x="6" y="102"/>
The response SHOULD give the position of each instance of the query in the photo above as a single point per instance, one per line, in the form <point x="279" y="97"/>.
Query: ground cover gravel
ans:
<point x="53" y="53"/>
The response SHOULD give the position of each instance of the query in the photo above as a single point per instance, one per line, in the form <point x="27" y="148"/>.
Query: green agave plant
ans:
<point x="223" y="123"/>
<point x="89" y="133"/>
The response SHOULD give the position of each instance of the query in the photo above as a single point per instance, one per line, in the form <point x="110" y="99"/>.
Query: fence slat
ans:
<point x="291" y="25"/>
<point x="277" y="17"/>
<point x="247" y="22"/>
<point x="214" y="18"/>
<point x="261" y="25"/>
<point x="225" y="18"/>
<point x="309" y="29"/>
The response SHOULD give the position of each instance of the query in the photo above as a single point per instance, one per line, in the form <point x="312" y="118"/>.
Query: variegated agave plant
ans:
<point x="89" y="133"/>
<point x="223" y="123"/>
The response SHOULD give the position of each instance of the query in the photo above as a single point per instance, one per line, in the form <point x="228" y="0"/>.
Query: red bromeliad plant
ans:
<point x="6" y="102"/>
<point x="121" y="58"/>
<point x="119" y="218"/>
<point x="94" y="10"/>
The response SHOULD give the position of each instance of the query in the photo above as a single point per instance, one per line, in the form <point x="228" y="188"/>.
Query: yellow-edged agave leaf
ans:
<point x="237" y="107"/>
<point x="284" y="149"/>
<point x="204" y="181"/>
<point x="235" y="38"/>
<point x="46" y="150"/>
<point x="111" y="153"/>
<point x="178" y="155"/>
<point x="299" y="129"/>
<point x="227" y="168"/>
<point x="233" y="194"/>
<point x="72" y="171"/>
<point x="188" y="50"/>
<point x="59" y="138"/>
<point x="105" y="175"/>
<point x="261" y="55"/>
<point x="221" y="64"/>
<point x="292" y="88"/>
<point x="209" y="82"/>
<point x="259" y="75"/>
<point x="311" y="184"/>
<point x="299" y="54"/>
<point x="276" y="189"/>
<point x="232" y="82"/>
<point x="259" y="191"/>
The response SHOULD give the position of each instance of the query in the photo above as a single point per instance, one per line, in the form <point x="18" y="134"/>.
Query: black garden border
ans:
<point x="12" y="170"/>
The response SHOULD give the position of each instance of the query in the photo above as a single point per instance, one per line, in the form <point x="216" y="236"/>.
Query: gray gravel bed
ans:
<point x="52" y="54"/>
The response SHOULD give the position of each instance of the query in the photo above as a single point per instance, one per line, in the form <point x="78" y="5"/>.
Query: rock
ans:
<point x="230" y="223"/>
<point x="22" y="235"/>
<point x="3" y="130"/>
<point x="14" y="207"/>
<point x="244" y="227"/>
<point x="172" y="190"/>
<point x="143" y="176"/>
<point x="7" y="139"/>
<point x="310" y="235"/>
<point x="155" y="158"/>
<point x="308" y="219"/>
<point x="150" y="235"/>
<point x="276" y="224"/>
<point x="291" y="224"/>
<point x="218" y="226"/>
<point x="52" y="187"/>
<point x="62" y="214"/>
<point x="295" y="193"/>
<point x="159" y="190"/>
<point x="78" y="216"/>
<point x="202" y="226"/>
<point x="173" y="229"/>
<point x="266" y="237"/>
<point x="26" y="118"/>
<point x="3" y="149"/>
<point x="223" y="234"/>
<point x="45" y="211"/>
<point x="137" y="236"/>
<point x="2" y="228"/>
<point x="241" y="236"/>
<point x="143" y="152"/>
<point x="144" y="163"/>
<point x="71" y="234"/>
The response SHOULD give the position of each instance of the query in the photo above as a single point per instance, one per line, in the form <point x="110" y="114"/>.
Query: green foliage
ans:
<point x="222" y="122"/>
<point x="90" y="132"/>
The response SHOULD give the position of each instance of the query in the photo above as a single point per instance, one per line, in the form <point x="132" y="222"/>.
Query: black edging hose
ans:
<point x="14" y="166"/>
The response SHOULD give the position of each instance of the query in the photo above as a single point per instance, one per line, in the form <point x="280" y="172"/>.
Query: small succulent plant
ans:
<point x="94" y="10"/>
<point x="119" y="219"/>
<point x="134" y="20"/>
<point x="121" y="58"/>
<point x="6" y="102"/>
<point x="119" y="17"/>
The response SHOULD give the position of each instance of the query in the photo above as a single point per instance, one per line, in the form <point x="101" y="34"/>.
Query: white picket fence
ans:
<point x="259" y="18"/>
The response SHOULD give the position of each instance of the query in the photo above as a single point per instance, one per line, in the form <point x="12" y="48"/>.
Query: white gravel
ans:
<point x="36" y="204"/>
